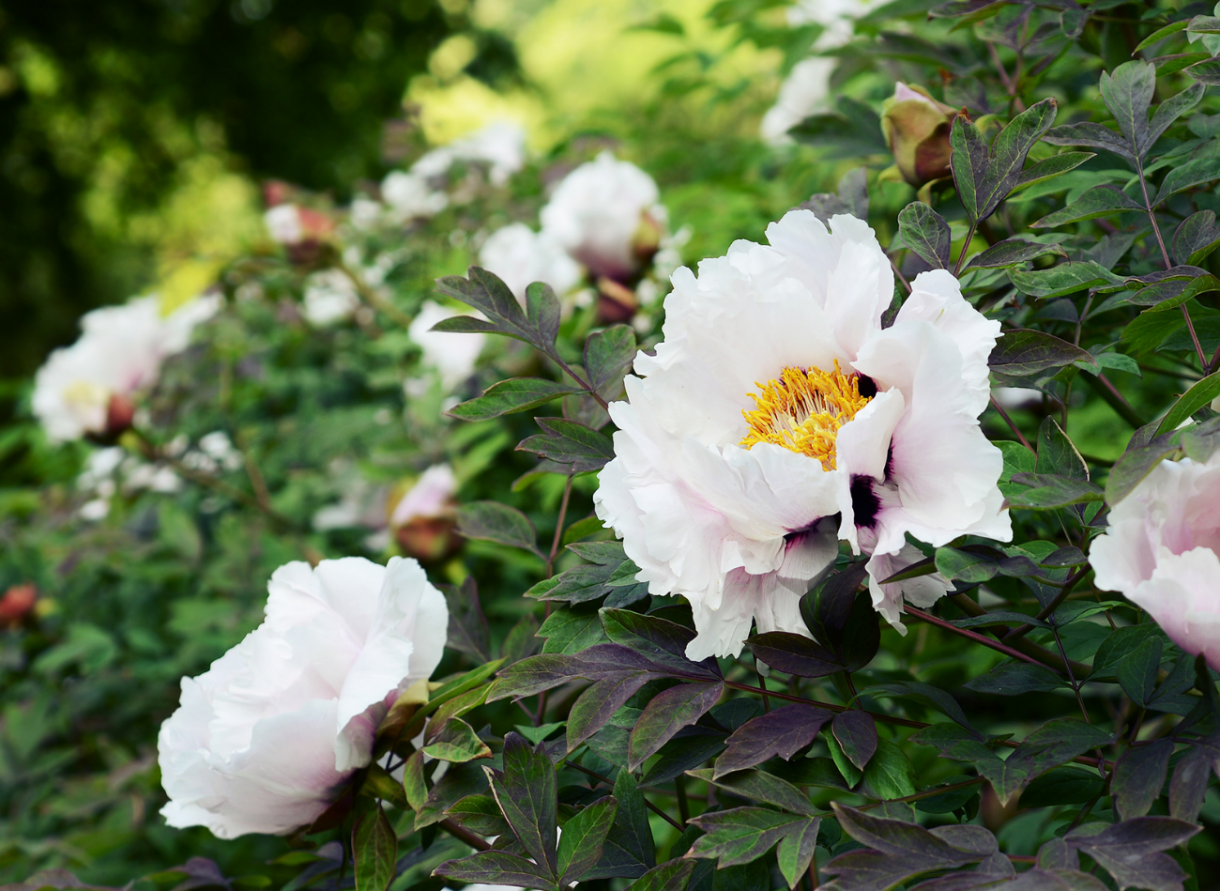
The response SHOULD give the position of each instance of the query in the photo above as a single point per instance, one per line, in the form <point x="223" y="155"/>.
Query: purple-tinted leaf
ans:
<point x="1130" y="851"/>
<point x="629" y="851"/>
<point x="496" y="868"/>
<point x="760" y="786"/>
<point x="856" y="732"/>
<point x="583" y="838"/>
<point x="535" y="674"/>
<point x="1139" y="776"/>
<point x="1023" y="352"/>
<point x="1190" y="778"/>
<point x="468" y="631"/>
<point x="902" y="839"/>
<point x="493" y="521"/>
<point x="608" y="354"/>
<point x="598" y="704"/>
<point x="794" y="654"/>
<point x="781" y="732"/>
<point x="667" y="713"/>
<point x="574" y="445"/>
<point x="796" y="850"/>
<point x="670" y="876"/>
<point x="658" y="640"/>
<point x="527" y="795"/>
<point x="926" y="233"/>
<point x="1012" y="252"/>
<point x="374" y="851"/>
<point x="740" y="835"/>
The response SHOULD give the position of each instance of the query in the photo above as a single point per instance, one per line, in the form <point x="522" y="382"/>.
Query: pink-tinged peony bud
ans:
<point x="16" y="604"/>
<point x="1161" y="552"/>
<point x="916" y="128"/>
<point x="424" y="517"/>
<point x="266" y="738"/>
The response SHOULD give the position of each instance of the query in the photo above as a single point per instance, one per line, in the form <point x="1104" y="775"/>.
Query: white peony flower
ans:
<point x="807" y="87"/>
<point x="284" y="224"/>
<point x="598" y="212"/>
<point x="520" y="256"/>
<point x="88" y="387"/>
<point x="264" y="738"/>
<point x="452" y="355"/>
<point x="410" y="196"/>
<point x="330" y="297"/>
<point x="1162" y="551"/>
<point x="777" y="409"/>
<point x="500" y="145"/>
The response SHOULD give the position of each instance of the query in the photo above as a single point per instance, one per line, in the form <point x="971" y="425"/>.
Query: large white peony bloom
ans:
<point x="521" y="256"/>
<point x="452" y="355"/>
<point x="263" y="739"/>
<point x="89" y="386"/>
<point x="778" y="410"/>
<point x="1162" y="551"/>
<point x="602" y="212"/>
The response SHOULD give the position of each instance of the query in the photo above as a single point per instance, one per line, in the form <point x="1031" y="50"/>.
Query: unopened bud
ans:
<point x="615" y="303"/>
<point x="916" y="129"/>
<point x="16" y="604"/>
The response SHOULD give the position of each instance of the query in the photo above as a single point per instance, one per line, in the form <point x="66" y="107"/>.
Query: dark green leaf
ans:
<point x="1050" y="491"/>
<point x="1196" y="237"/>
<point x="1015" y="678"/>
<point x="1064" y="279"/>
<point x="492" y="521"/>
<point x="515" y="394"/>
<point x="890" y="773"/>
<point x="796" y="850"/>
<point x="856" y="733"/>
<point x="1138" y="777"/>
<point x="1200" y="394"/>
<point x="566" y="442"/>
<point x="1099" y="201"/>
<point x="1168" y="112"/>
<point x="926" y="693"/>
<point x="670" y="876"/>
<point x="1206" y="72"/>
<point x="485" y="292"/>
<point x="658" y="640"/>
<point x="584" y="835"/>
<point x="496" y="868"/>
<point x="598" y="704"/>
<point x="1049" y="168"/>
<point x="1118" y="647"/>
<point x="526" y="793"/>
<point x="1202" y="168"/>
<point x="629" y="850"/>
<point x="481" y="814"/>
<point x="1012" y="252"/>
<point x="1057" y="454"/>
<point x="925" y="232"/>
<point x="468" y="632"/>
<point x="374" y="851"/>
<point x="1160" y="34"/>
<point x="985" y="177"/>
<point x="1127" y="92"/>
<point x="852" y="131"/>
<point x="1063" y="785"/>
<point x="1023" y="352"/>
<point x="781" y="732"/>
<point x="567" y="631"/>
<point x="667" y="713"/>
<point x="1137" y="673"/>
<point x="1092" y="136"/>
<point x="741" y="834"/>
<point x="608" y="355"/>
<point x="760" y="786"/>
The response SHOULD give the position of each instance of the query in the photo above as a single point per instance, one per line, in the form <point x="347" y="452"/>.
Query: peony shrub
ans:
<point x="869" y="544"/>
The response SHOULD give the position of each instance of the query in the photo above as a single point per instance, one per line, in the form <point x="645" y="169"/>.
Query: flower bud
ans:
<point x="615" y="302"/>
<point x="424" y="516"/>
<point x="16" y="604"/>
<point x="916" y="129"/>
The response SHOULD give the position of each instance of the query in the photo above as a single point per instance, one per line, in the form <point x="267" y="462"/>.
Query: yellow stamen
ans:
<point x="803" y="410"/>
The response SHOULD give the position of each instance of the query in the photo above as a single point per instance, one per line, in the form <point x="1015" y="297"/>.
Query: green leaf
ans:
<point x="580" y="847"/>
<point x="629" y="850"/>
<point x="890" y="773"/>
<point x="374" y="851"/>
<point x="1127" y="92"/>
<point x="481" y="814"/>
<point x="566" y="442"/>
<point x="608" y="355"/>
<point x="1063" y="785"/>
<point x="670" y="876"/>
<point x="568" y="631"/>
<point x="1012" y="252"/>
<point x="527" y="795"/>
<point x="796" y="850"/>
<point x="1138" y="777"/>
<point x="852" y="131"/>
<point x="760" y="786"/>
<point x="537" y="325"/>
<point x="1064" y="279"/>
<point x="515" y="394"/>
<point x="1206" y="72"/>
<point x="1200" y="394"/>
<point x="925" y="232"/>
<point x="599" y="703"/>
<point x="1130" y="470"/>
<point x="781" y="732"/>
<point x="856" y="733"/>
<point x="985" y="177"/>
<point x="458" y="742"/>
<point x="1015" y="678"/>
<point x="413" y="782"/>
<point x="667" y="713"/>
<point x="1093" y="136"/>
<point x="1196" y="237"/>
<point x="1099" y="201"/>
<point x="1160" y="34"/>
<point x="1168" y="112"/>
<point x="492" y="521"/>
<point x="741" y="834"/>
<point x="657" y="640"/>
<point x="1052" y="491"/>
<point x="1202" y="168"/>
<point x="1024" y="352"/>
<point x="496" y="868"/>
<point x="1137" y="673"/>
<point x="1057" y="454"/>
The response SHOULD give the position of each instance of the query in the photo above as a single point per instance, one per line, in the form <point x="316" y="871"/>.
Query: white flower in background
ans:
<point x="263" y="740"/>
<point x="452" y="355"/>
<point x="521" y="256"/>
<point x="1012" y="398"/>
<point x="410" y="196"/>
<point x="215" y="453"/>
<point x="430" y="497"/>
<point x="776" y="402"/>
<point x="364" y="213"/>
<point x="330" y="297"/>
<point x="284" y="224"/>
<point x="807" y="87"/>
<point x="500" y="145"/>
<point x="1162" y="551"/>
<point x="603" y="213"/>
<point x="89" y="386"/>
